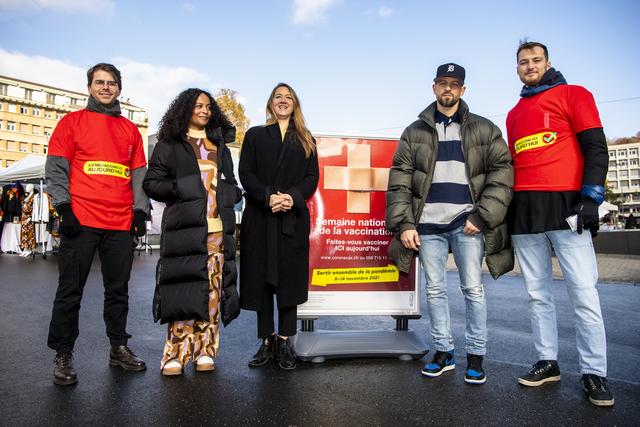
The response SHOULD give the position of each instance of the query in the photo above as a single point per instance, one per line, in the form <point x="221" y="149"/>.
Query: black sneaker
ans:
<point x="122" y="356"/>
<point x="597" y="389"/>
<point x="442" y="361"/>
<point x="264" y="353"/>
<point x="474" y="373"/>
<point x="543" y="371"/>
<point x="63" y="372"/>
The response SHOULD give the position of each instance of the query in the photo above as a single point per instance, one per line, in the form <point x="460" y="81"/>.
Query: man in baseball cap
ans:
<point x="466" y="189"/>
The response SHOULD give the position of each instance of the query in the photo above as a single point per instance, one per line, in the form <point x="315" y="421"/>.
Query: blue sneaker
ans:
<point x="442" y="361"/>
<point x="475" y="373"/>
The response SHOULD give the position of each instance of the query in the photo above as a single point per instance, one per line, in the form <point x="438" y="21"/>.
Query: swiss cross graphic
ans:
<point x="358" y="178"/>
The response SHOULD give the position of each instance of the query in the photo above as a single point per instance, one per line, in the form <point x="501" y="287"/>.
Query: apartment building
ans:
<point x="30" y="111"/>
<point x="624" y="174"/>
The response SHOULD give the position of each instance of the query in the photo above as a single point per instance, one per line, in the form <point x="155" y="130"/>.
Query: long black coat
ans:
<point x="275" y="247"/>
<point x="173" y="177"/>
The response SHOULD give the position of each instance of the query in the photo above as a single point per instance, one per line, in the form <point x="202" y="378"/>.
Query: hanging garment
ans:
<point x="11" y="204"/>
<point x="28" y="230"/>
<point x="40" y="216"/>
<point x="40" y="208"/>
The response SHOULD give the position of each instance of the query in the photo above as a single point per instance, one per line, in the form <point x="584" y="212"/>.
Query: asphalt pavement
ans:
<point x="347" y="392"/>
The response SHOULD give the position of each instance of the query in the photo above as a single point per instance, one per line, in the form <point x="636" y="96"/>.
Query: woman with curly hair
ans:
<point x="279" y="172"/>
<point x="192" y="172"/>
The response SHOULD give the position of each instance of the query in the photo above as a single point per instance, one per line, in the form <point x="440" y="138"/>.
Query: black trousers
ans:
<point x="287" y="317"/>
<point x="115" y="249"/>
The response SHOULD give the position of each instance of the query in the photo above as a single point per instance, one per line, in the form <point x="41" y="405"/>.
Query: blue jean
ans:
<point x="468" y="251"/>
<point x="578" y="263"/>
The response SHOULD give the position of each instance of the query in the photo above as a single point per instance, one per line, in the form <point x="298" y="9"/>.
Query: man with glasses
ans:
<point x="560" y="159"/>
<point x="449" y="187"/>
<point x="94" y="171"/>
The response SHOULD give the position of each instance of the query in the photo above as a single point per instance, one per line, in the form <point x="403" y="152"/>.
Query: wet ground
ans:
<point x="337" y="392"/>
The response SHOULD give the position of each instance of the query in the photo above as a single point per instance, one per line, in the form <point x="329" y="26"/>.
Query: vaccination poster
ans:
<point x="349" y="270"/>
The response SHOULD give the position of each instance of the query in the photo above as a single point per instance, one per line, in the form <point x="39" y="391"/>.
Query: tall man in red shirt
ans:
<point x="560" y="161"/>
<point x="94" y="171"/>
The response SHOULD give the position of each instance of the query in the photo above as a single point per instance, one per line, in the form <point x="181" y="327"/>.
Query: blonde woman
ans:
<point x="279" y="171"/>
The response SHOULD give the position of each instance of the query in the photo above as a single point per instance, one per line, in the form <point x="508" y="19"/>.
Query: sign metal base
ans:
<point x="316" y="346"/>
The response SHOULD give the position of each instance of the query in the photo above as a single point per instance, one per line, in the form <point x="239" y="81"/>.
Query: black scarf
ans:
<point x="551" y="78"/>
<point x="96" y="107"/>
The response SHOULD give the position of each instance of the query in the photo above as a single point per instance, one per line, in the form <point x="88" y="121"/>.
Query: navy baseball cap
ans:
<point x="450" y="70"/>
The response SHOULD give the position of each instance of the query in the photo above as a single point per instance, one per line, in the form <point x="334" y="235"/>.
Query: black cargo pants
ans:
<point x="76" y="253"/>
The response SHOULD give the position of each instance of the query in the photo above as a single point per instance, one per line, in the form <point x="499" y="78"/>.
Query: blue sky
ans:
<point x="360" y="67"/>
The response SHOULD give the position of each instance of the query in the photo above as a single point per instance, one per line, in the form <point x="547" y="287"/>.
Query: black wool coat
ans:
<point x="275" y="247"/>
<point x="182" y="277"/>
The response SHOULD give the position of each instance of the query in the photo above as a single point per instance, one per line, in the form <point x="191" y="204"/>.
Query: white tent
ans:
<point x="31" y="168"/>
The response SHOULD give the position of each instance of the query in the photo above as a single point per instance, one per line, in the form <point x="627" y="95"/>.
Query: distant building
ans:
<point x="30" y="111"/>
<point x="624" y="174"/>
<point x="151" y="143"/>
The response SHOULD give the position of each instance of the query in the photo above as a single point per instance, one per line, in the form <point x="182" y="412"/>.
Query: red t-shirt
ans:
<point x="102" y="151"/>
<point x="542" y="138"/>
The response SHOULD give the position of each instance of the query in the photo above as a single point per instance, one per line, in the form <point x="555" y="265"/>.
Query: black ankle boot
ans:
<point x="63" y="372"/>
<point x="122" y="356"/>
<point x="265" y="352"/>
<point x="286" y="356"/>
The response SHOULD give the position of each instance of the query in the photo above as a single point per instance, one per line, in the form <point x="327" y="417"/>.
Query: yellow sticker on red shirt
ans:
<point x="537" y="140"/>
<point x="107" y="168"/>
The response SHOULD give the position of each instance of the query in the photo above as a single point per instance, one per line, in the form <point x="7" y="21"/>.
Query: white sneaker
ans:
<point x="172" y="367"/>
<point x="204" y="363"/>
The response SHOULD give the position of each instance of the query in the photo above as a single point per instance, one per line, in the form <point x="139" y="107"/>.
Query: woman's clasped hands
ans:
<point x="280" y="202"/>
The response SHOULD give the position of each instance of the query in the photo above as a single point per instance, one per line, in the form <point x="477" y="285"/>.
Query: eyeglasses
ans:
<point x="102" y="83"/>
<point x="453" y="85"/>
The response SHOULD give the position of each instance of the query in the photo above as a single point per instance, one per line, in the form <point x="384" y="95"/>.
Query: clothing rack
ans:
<point x="44" y="243"/>
<point x="41" y="229"/>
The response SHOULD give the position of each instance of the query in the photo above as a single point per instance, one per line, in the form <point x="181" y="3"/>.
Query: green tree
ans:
<point x="609" y="195"/>
<point x="228" y="102"/>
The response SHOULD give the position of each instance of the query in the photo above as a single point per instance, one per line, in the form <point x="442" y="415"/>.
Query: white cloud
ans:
<point x="153" y="87"/>
<point x="40" y="69"/>
<point x="188" y="6"/>
<point x="310" y="12"/>
<point x="384" y="11"/>
<point x="149" y="86"/>
<point x="71" y="6"/>
<point x="381" y="12"/>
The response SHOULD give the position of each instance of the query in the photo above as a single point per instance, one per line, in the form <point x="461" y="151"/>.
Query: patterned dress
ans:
<point x="190" y="339"/>
<point x="28" y="229"/>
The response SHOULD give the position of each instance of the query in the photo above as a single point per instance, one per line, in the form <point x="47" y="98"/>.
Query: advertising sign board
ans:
<point x="349" y="272"/>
